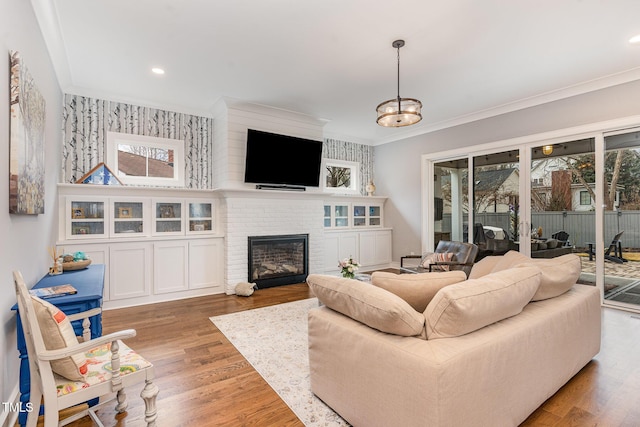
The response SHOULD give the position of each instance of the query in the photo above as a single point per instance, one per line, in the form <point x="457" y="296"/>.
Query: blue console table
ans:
<point x="90" y="285"/>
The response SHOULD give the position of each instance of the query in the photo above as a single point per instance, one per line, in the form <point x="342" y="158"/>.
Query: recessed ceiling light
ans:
<point x="635" y="39"/>
<point x="157" y="70"/>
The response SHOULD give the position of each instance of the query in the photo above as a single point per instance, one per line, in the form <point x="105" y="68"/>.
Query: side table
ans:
<point x="90" y="285"/>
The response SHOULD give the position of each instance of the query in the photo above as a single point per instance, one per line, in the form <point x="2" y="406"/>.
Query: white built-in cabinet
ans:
<point x="354" y="227"/>
<point x="157" y="245"/>
<point x="370" y="248"/>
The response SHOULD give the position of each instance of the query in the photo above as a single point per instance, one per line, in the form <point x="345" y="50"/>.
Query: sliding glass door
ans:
<point x="621" y="229"/>
<point x="496" y="202"/>
<point x="450" y="200"/>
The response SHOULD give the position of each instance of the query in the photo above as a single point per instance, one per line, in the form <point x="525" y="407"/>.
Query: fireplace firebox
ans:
<point x="278" y="260"/>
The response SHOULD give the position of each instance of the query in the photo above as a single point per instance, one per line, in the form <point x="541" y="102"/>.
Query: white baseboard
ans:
<point x="9" y="419"/>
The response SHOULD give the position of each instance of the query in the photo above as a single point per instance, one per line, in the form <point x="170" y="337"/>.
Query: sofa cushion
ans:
<point x="552" y="243"/>
<point x="435" y="257"/>
<point x="368" y="304"/>
<point x="484" y="266"/>
<point x="558" y="274"/>
<point x="58" y="333"/>
<point x="508" y="260"/>
<point x="416" y="289"/>
<point x="468" y="306"/>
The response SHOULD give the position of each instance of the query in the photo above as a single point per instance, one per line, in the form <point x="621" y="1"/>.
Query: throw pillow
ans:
<point x="468" y="306"/>
<point x="552" y="243"/>
<point x="484" y="266"/>
<point x="371" y="305"/>
<point x="433" y="258"/>
<point x="508" y="260"/>
<point x="416" y="289"/>
<point x="558" y="274"/>
<point x="58" y="333"/>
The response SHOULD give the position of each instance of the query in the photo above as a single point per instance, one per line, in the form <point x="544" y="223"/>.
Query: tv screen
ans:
<point x="282" y="160"/>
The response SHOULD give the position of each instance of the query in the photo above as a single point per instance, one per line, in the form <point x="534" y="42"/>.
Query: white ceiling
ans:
<point x="333" y="60"/>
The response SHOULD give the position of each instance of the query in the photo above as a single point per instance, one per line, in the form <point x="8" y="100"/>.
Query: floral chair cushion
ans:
<point x="99" y="364"/>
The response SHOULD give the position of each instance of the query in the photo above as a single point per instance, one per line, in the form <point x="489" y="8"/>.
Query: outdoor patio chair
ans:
<point x="615" y="247"/>
<point x="562" y="237"/>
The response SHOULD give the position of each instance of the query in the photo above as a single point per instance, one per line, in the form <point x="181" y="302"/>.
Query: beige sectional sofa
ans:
<point x="486" y="351"/>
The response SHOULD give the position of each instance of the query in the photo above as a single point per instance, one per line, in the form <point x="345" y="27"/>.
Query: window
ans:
<point x="340" y="176"/>
<point x="585" y="198"/>
<point x="145" y="160"/>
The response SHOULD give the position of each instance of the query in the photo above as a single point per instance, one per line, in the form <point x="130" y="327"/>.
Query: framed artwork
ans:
<point x="101" y="175"/>
<point x="125" y="212"/>
<point x="77" y="213"/>
<point x="81" y="230"/>
<point x="340" y="176"/>
<point x="26" y="148"/>
<point x="166" y="211"/>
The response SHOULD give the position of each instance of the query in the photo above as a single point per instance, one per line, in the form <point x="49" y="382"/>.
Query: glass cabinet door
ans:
<point x="85" y="219"/>
<point x="327" y="216"/>
<point x="375" y="217"/>
<point x="200" y="217"/>
<point x="128" y="218"/>
<point x="341" y="218"/>
<point x="167" y="217"/>
<point x="359" y="215"/>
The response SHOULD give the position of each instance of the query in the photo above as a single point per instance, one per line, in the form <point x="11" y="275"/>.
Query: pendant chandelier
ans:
<point x="399" y="111"/>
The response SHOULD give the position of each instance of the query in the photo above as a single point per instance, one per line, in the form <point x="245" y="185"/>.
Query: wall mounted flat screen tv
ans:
<point x="282" y="160"/>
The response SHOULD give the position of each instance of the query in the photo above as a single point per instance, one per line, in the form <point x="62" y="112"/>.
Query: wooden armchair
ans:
<point x="109" y="365"/>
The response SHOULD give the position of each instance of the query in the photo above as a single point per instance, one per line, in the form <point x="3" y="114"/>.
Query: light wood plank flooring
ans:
<point x="204" y="381"/>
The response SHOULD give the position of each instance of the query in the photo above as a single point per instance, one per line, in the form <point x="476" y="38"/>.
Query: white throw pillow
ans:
<point x="468" y="306"/>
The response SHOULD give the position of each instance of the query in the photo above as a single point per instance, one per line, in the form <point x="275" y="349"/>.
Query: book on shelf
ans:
<point x="54" y="291"/>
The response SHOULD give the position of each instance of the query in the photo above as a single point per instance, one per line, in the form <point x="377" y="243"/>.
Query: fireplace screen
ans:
<point x="278" y="260"/>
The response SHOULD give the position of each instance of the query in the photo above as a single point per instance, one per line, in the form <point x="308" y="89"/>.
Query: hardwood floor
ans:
<point x="204" y="381"/>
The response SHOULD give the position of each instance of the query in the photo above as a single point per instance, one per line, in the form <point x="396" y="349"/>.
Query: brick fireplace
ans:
<point x="278" y="260"/>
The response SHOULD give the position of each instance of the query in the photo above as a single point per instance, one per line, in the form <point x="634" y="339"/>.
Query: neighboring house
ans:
<point x="136" y="165"/>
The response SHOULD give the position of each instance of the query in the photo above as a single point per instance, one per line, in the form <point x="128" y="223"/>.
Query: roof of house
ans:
<point x="135" y="165"/>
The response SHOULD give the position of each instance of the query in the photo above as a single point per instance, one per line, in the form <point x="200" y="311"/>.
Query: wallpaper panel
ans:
<point x="86" y="121"/>
<point x="352" y="152"/>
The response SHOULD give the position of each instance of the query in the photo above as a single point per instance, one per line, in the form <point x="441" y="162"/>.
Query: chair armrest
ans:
<point x="86" y="346"/>
<point x="86" y="323"/>
<point x="84" y="314"/>
<point x="450" y="263"/>
<point x="408" y="257"/>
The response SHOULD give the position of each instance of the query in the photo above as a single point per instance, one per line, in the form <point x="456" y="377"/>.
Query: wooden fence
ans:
<point x="579" y="225"/>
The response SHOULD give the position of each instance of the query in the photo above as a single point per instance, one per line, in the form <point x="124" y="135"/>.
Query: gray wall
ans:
<point x="397" y="168"/>
<point x="25" y="238"/>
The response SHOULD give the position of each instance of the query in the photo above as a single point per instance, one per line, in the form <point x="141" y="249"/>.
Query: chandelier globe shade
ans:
<point x="399" y="111"/>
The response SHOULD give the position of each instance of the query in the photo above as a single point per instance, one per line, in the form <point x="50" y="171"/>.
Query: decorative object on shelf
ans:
<point x="547" y="150"/>
<point x="76" y="261"/>
<point x="399" y="111"/>
<point x="26" y="152"/>
<point x="77" y="213"/>
<point x="245" y="289"/>
<point x="348" y="267"/>
<point x="101" y="175"/>
<point x="57" y="266"/>
<point x="166" y="211"/>
<point x="370" y="188"/>
<point x="125" y="212"/>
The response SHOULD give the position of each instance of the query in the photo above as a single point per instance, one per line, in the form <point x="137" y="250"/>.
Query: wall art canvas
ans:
<point x="26" y="149"/>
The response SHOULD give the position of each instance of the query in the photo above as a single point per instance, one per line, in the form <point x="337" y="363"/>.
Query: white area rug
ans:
<point x="274" y="340"/>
